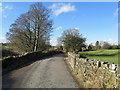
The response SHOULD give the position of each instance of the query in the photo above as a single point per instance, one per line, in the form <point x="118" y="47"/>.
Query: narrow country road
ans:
<point x="47" y="73"/>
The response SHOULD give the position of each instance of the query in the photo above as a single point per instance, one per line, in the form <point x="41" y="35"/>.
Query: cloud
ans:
<point x="115" y="41"/>
<point x="53" y="6"/>
<point x="0" y="4"/>
<point x="59" y="28"/>
<point x="56" y="5"/>
<point x="64" y="9"/>
<point x="3" y="40"/>
<point x="8" y="7"/>
<point x="109" y="40"/>
<point x="90" y="42"/>
<point x="5" y="16"/>
<point x="5" y="9"/>
<point x="77" y="28"/>
<point x="1" y="7"/>
<point x="116" y="12"/>
<point x="104" y="40"/>
<point x="60" y="8"/>
<point x="53" y="42"/>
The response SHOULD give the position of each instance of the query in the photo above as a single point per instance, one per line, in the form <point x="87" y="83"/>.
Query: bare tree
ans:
<point x="31" y="31"/>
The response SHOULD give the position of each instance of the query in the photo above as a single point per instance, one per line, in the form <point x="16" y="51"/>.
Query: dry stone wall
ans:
<point x="94" y="73"/>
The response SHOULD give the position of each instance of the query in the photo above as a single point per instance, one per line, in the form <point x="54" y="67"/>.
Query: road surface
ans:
<point x="47" y="73"/>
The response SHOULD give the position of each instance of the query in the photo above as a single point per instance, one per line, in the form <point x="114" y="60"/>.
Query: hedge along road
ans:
<point x="47" y="73"/>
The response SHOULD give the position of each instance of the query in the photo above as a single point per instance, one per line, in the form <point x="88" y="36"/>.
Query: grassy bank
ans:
<point x="8" y="51"/>
<point x="110" y="56"/>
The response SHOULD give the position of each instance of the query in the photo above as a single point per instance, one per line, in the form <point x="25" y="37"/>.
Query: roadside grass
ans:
<point x="110" y="56"/>
<point x="7" y="47"/>
<point x="7" y="51"/>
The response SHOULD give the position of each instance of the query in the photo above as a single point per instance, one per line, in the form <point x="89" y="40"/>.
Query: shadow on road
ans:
<point x="12" y="63"/>
<point x="8" y="77"/>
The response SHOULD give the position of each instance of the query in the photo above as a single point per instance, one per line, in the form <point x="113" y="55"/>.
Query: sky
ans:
<point x="94" y="20"/>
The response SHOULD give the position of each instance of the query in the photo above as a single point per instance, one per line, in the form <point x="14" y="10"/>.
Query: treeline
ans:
<point x="71" y="40"/>
<point x="100" y="45"/>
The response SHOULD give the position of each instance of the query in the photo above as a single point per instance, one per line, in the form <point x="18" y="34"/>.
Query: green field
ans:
<point x="110" y="56"/>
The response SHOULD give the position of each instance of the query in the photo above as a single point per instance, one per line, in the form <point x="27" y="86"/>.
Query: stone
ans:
<point x="94" y="73"/>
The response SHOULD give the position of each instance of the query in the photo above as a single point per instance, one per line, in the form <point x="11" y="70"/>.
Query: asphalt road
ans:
<point x="47" y="73"/>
